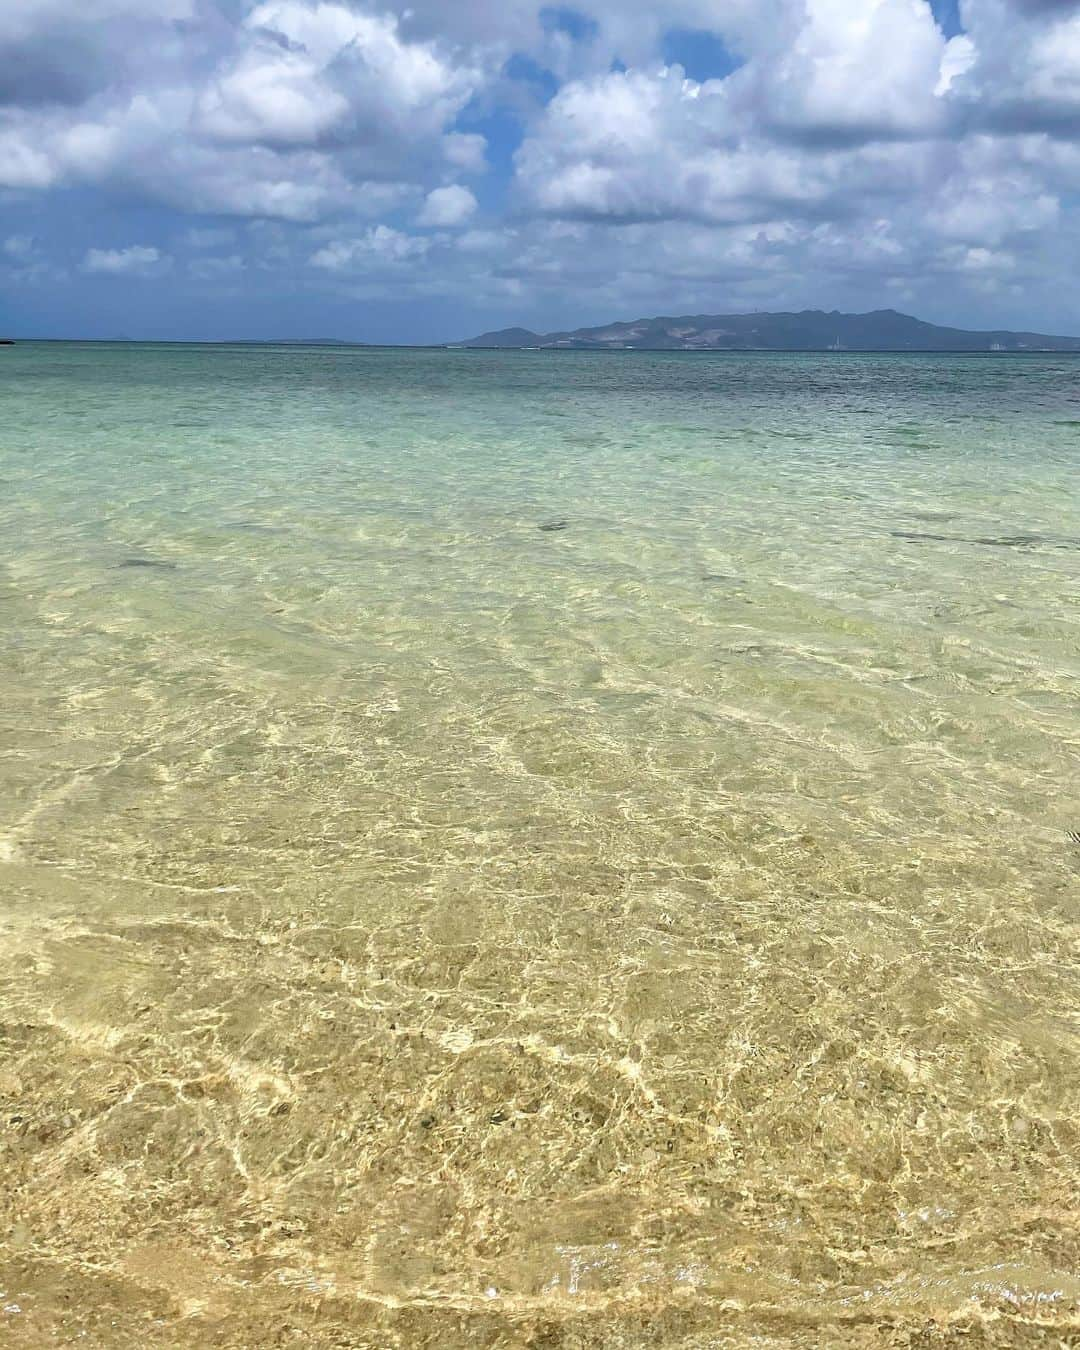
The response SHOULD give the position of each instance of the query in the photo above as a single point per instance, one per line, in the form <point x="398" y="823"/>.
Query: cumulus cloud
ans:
<point x="381" y="245"/>
<point x="447" y="207"/>
<point x="656" y="146"/>
<point x="296" y="110"/>
<point x="1024" y="68"/>
<point x="851" y="147"/>
<point x="139" y="260"/>
<point x="850" y="73"/>
<point x="306" y="74"/>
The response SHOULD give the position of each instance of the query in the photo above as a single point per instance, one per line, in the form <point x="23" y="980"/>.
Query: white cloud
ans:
<point x="303" y="73"/>
<point x="465" y="151"/>
<point x="381" y="245"/>
<point x="482" y="241"/>
<point x="849" y="73"/>
<point x="957" y="59"/>
<point x="854" y="149"/>
<point x="656" y="146"/>
<point x="22" y="165"/>
<point x="297" y="110"/>
<point x="139" y="260"/>
<point x="337" y="94"/>
<point x="1024" y="67"/>
<point x="447" y="207"/>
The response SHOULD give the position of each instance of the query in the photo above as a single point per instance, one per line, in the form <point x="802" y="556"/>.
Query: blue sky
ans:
<point x="421" y="172"/>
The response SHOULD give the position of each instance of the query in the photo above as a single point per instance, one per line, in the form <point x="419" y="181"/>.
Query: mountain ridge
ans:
<point x="803" y="330"/>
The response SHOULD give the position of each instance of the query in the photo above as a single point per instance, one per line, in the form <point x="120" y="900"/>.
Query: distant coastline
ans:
<point x="853" y="334"/>
<point x="883" y="330"/>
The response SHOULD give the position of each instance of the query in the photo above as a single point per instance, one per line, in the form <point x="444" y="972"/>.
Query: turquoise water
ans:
<point x="538" y="844"/>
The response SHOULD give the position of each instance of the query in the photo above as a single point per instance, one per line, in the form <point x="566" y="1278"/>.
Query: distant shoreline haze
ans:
<point x="807" y="330"/>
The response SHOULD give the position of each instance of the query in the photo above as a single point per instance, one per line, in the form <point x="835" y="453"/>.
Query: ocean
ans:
<point x="538" y="848"/>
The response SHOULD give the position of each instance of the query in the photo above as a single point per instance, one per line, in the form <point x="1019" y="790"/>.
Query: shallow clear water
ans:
<point x="538" y="848"/>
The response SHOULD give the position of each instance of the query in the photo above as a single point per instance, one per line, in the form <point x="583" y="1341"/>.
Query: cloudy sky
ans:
<point x="421" y="171"/>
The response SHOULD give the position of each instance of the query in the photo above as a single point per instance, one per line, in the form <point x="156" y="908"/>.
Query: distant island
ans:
<point x="809" y="330"/>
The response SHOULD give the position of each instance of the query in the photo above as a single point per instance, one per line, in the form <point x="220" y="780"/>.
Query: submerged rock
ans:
<point x="1010" y="540"/>
<point x="986" y="540"/>
<point x="920" y="536"/>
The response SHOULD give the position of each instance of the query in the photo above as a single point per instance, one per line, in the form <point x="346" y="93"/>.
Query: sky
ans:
<point x="424" y="171"/>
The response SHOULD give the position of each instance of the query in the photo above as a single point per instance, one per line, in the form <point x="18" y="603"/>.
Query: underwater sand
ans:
<point x="538" y="849"/>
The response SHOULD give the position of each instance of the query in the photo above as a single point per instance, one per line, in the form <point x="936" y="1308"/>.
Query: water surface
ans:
<point x="538" y="848"/>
